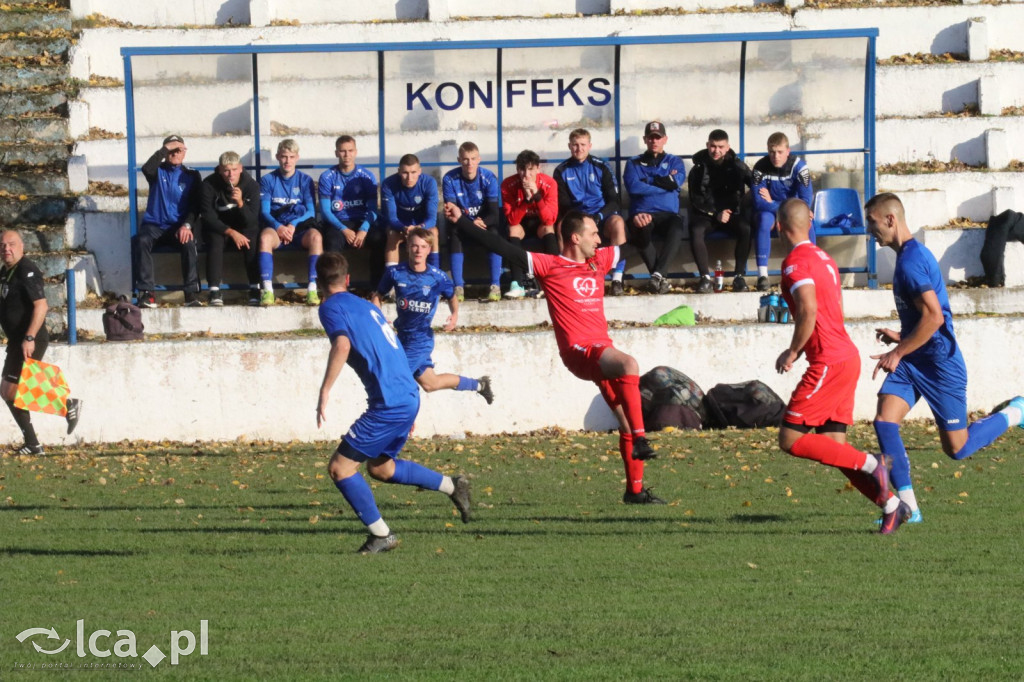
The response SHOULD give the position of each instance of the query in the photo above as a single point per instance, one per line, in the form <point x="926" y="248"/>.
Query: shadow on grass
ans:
<point x="31" y="551"/>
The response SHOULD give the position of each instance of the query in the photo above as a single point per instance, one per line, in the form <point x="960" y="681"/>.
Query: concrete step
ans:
<point x="30" y="75"/>
<point x="14" y="211"/>
<point x="34" y="17"/>
<point x="56" y="45"/>
<point x="43" y="238"/>
<point x="34" y="129"/>
<point x="27" y="4"/>
<point x="37" y="181"/>
<point x="33" y="154"/>
<point x="973" y="194"/>
<point x="173" y="318"/>
<point x="19" y="103"/>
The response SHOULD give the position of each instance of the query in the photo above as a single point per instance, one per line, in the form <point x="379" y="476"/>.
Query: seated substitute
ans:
<point x="229" y="202"/>
<point x="475" y="190"/>
<point x="171" y="209"/>
<point x="408" y="199"/>
<point x="348" y="207"/>
<point x="718" y="183"/>
<point x="530" y="201"/>
<point x="653" y="180"/>
<point x="418" y="289"/>
<point x="776" y="177"/>
<point x="288" y="213"/>
<point x="587" y="184"/>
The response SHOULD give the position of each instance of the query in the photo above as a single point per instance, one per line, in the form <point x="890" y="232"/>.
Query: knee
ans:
<point x="340" y="468"/>
<point x="516" y="232"/>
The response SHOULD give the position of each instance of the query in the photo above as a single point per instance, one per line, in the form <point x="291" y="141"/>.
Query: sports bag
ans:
<point x="122" y="321"/>
<point x="670" y="398"/>
<point x="747" y="405"/>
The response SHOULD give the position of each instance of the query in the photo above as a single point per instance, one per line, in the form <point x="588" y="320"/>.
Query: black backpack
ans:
<point x="670" y="398"/>
<point x="748" y="405"/>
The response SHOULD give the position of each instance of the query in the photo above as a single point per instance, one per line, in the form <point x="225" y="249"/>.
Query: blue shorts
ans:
<point x="379" y="431"/>
<point x="943" y="386"/>
<point x="418" y="350"/>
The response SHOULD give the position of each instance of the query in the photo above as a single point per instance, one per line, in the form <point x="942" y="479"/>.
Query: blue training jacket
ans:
<point x="644" y="196"/>
<point x="792" y="181"/>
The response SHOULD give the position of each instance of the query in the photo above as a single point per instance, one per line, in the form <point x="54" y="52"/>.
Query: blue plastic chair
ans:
<point x="838" y="211"/>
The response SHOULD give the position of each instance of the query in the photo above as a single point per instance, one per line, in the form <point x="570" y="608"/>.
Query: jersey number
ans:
<point x="389" y="333"/>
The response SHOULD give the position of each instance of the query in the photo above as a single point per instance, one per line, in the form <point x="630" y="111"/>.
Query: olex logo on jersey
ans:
<point x="102" y="644"/>
<point x="585" y="286"/>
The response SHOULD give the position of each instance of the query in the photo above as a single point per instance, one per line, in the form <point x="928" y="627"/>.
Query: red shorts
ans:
<point x="825" y="393"/>
<point x="583" y="361"/>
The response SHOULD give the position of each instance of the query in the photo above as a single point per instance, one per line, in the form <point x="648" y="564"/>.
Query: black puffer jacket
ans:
<point x="717" y="187"/>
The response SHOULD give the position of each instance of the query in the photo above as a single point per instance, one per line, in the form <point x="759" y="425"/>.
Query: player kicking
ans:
<point x="418" y="288"/>
<point x="362" y="338"/>
<point x="573" y="283"/>
<point x="823" y="400"/>
<point x="926" y="361"/>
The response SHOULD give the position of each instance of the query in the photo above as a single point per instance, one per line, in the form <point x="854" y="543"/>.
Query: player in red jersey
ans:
<point x="573" y="283"/>
<point x="823" y="400"/>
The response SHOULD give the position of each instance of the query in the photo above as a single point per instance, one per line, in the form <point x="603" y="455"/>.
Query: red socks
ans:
<point x="827" y="451"/>
<point x="634" y="467"/>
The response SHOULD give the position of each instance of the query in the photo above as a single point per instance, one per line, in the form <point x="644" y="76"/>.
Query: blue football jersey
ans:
<point x="377" y="355"/>
<point x="470" y="195"/>
<point x="286" y="201"/>
<point x="416" y="298"/>
<point x="916" y="272"/>
<point x="351" y="196"/>
<point x="403" y="206"/>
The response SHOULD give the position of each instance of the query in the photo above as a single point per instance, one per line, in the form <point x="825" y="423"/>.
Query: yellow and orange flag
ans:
<point x="42" y="388"/>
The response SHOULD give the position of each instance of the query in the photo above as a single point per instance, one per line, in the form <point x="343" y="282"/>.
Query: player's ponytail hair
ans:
<point x="572" y="223"/>
<point x="331" y="269"/>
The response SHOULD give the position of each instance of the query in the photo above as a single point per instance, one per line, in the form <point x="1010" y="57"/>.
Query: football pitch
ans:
<point x="761" y="567"/>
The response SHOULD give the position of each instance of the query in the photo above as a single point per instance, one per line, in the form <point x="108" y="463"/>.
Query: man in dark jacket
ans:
<point x="718" y="182"/>
<point x="171" y="210"/>
<point x="230" y="205"/>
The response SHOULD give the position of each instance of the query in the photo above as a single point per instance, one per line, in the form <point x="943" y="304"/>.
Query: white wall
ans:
<point x="267" y="389"/>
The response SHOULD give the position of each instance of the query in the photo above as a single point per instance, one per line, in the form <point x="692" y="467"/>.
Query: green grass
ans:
<point x="762" y="566"/>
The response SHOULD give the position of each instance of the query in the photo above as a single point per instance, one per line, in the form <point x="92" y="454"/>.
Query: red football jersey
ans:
<point x="575" y="295"/>
<point x="516" y="207"/>
<point x="807" y="264"/>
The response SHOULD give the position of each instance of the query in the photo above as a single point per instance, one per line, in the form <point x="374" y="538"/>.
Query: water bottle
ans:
<point x="784" y="316"/>
<point x="773" y="305"/>
<point x="719" y="277"/>
<point x="762" y="308"/>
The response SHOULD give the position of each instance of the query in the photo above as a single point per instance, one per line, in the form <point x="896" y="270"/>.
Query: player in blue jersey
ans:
<point x="348" y="206"/>
<point x="587" y="184"/>
<point x="171" y="211"/>
<point x="408" y="199"/>
<point x="477" y="192"/>
<point x="926" y="361"/>
<point x="288" y="214"/>
<point x="418" y="288"/>
<point x="653" y="180"/>
<point x="362" y="338"/>
<point x="777" y="177"/>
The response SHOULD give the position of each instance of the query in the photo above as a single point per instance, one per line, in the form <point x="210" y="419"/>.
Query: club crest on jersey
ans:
<point x="295" y="191"/>
<point x="425" y="289"/>
<point x="585" y="286"/>
<point x="664" y="164"/>
<point x="418" y="198"/>
<point x="479" y="194"/>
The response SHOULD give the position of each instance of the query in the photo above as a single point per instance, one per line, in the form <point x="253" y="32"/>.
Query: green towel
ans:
<point x="678" y="317"/>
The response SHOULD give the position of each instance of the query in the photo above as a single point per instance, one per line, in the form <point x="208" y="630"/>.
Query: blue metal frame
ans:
<point x="869" y="34"/>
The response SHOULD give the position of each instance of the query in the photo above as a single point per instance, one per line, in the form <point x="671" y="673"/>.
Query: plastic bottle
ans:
<point x="762" y="308"/>
<point x="784" y="316"/>
<point x="773" y="305"/>
<point x="719" y="277"/>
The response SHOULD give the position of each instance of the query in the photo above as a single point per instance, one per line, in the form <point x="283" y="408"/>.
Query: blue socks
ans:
<point x="266" y="266"/>
<point x="434" y="259"/>
<point x="467" y="384"/>
<point x="411" y="473"/>
<point x="312" y="266"/>
<point x="457" y="261"/>
<point x="763" y="237"/>
<point x="891" y="443"/>
<point x="359" y="496"/>
<point x="495" y="262"/>
<point x="982" y="433"/>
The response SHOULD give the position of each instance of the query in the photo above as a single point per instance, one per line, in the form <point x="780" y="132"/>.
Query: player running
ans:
<point x="926" y="361"/>
<point x="823" y="400"/>
<point x="418" y="288"/>
<point x="573" y="283"/>
<point x="363" y="339"/>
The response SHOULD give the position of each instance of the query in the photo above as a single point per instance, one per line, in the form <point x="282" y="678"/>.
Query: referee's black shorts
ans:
<point x="15" y="359"/>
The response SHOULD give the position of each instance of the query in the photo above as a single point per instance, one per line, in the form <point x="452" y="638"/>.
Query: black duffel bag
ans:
<point x="122" y="321"/>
